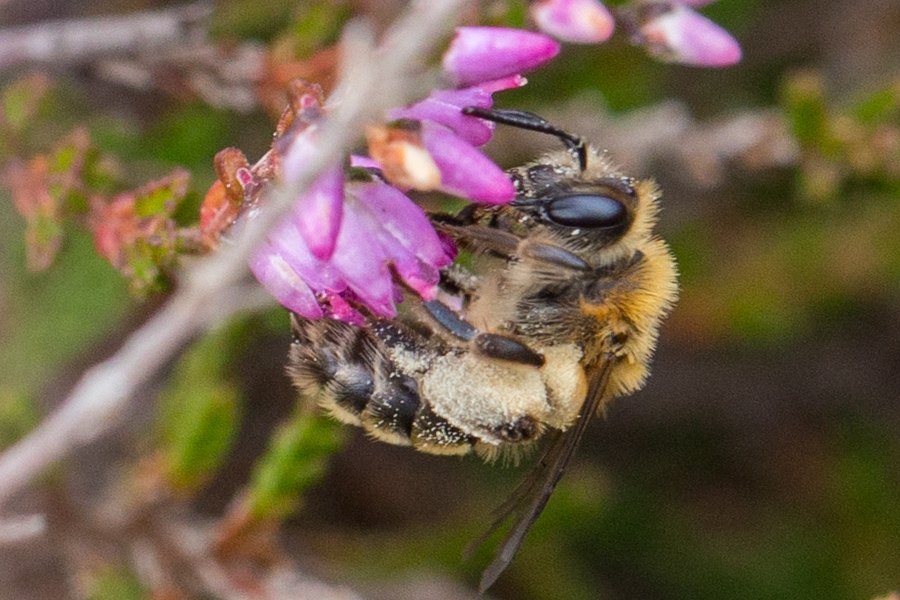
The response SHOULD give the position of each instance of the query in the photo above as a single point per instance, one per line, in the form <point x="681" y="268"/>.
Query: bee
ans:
<point x="561" y="316"/>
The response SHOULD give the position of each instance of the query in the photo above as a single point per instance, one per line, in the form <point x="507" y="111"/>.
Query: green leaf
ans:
<point x="807" y="109"/>
<point x="296" y="460"/>
<point x="22" y="100"/>
<point x="161" y="197"/>
<point x="116" y="584"/>
<point x="318" y="24"/>
<point x="199" y="414"/>
<point x="878" y="106"/>
<point x="17" y="416"/>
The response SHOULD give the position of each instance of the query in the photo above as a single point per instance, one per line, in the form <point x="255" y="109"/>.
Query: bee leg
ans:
<point x="494" y="345"/>
<point x="449" y="320"/>
<point x="506" y="245"/>
<point x="554" y="255"/>
<point x="491" y="345"/>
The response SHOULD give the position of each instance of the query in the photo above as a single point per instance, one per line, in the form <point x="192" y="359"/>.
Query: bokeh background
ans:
<point x="762" y="461"/>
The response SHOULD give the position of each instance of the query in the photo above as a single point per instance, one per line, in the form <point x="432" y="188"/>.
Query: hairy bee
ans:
<point x="535" y="344"/>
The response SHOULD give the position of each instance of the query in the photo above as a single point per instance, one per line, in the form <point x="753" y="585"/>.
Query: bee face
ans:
<point x="560" y="317"/>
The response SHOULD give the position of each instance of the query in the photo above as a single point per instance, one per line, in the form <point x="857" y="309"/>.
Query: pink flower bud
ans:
<point x="577" y="21"/>
<point x="683" y="35"/>
<point x="479" y="54"/>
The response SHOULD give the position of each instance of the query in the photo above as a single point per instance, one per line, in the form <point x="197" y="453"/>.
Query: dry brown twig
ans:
<point x="149" y="50"/>
<point x="68" y="42"/>
<point x="374" y="79"/>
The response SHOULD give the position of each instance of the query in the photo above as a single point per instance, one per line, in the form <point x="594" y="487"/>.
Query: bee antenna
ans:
<point x="532" y="122"/>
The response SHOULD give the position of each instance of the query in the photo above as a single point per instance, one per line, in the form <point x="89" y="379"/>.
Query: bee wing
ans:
<point x="529" y="499"/>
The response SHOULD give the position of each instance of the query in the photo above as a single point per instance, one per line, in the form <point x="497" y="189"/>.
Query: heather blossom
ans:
<point x="352" y="232"/>
<point x="676" y="33"/>
<point x="669" y="30"/>
<point x="576" y="21"/>
<point x="354" y="235"/>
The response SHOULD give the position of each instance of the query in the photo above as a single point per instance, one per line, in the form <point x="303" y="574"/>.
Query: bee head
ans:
<point x="575" y="196"/>
<point x="557" y="195"/>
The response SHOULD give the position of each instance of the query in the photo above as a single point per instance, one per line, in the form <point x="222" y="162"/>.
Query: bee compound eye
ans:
<point x="590" y="211"/>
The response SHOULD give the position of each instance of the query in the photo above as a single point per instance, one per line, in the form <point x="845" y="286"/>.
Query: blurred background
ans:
<point x="760" y="462"/>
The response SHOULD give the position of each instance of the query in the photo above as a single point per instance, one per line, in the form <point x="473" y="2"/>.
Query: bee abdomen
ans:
<point x="349" y="371"/>
<point x="391" y="410"/>
<point x="333" y="364"/>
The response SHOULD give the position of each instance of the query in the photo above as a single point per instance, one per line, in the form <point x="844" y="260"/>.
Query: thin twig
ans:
<point x="66" y="42"/>
<point x="190" y="543"/>
<point x="18" y="529"/>
<point x="374" y="81"/>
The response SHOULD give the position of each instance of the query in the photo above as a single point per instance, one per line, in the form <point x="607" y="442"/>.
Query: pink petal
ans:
<point x="287" y="241"/>
<point x="318" y="212"/>
<point x="361" y="262"/>
<point x="465" y="171"/>
<point x="485" y="53"/>
<point x="503" y="84"/>
<point x="444" y="107"/>
<point x="364" y="162"/>
<point x="404" y="220"/>
<point x="577" y="21"/>
<point x="340" y="309"/>
<point x="277" y="276"/>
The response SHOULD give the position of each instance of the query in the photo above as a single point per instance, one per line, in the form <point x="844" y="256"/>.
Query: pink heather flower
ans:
<point x="683" y="35"/>
<point x="465" y="171"/>
<point x="283" y="282"/>
<point x="319" y="211"/>
<point x="450" y="138"/>
<point x="445" y="107"/>
<point x="403" y="220"/>
<point x="577" y="21"/>
<point x="697" y="3"/>
<point x="381" y="228"/>
<point x="344" y="242"/>
<point x="479" y="54"/>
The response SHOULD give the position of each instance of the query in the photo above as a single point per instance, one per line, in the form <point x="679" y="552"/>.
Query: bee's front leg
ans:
<point x="506" y="245"/>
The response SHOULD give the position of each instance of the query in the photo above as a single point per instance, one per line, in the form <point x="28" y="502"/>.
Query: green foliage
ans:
<point x="296" y="459"/>
<point x="189" y="136"/>
<point x="113" y="584"/>
<point x="17" y="416"/>
<point x="199" y="413"/>
<point x="317" y="24"/>
<point x="58" y="313"/>
<point x="842" y="146"/>
<point x="20" y="104"/>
